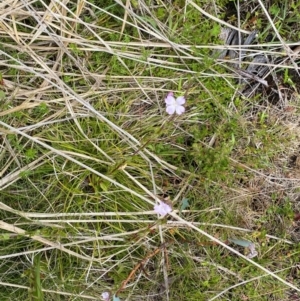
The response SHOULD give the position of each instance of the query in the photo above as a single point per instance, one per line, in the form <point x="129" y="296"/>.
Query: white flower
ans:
<point x="162" y="209"/>
<point x="175" y="105"/>
<point x="105" y="296"/>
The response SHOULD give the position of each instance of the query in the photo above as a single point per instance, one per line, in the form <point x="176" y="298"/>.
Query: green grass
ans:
<point x="87" y="149"/>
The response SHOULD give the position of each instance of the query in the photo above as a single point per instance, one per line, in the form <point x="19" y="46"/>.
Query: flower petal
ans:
<point x="170" y="109"/>
<point x="180" y="100"/>
<point x="180" y="110"/>
<point x="170" y="100"/>
<point x="252" y="254"/>
<point x="252" y="247"/>
<point x="162" y="209"/>
<point x="105" y="296"/>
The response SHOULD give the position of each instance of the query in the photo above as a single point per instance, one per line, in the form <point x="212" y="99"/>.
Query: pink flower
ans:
<point x="175" y="105"/>
<point x="105" y="296"/>
<point x="162" y="209"/>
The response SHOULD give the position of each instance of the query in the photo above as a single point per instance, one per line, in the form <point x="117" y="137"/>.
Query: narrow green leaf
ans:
<point x="2" y="94"/>
<point x="241" y="242"/>
<point x="184" y="204"/>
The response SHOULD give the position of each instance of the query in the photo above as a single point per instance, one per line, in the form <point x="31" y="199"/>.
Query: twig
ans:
<point x="139" y="265"/>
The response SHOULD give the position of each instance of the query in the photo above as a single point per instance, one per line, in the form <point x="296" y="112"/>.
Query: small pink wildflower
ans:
<point x="105" y="296"/>
<point x="174" y="105"/>
<point x="162" y="209"/>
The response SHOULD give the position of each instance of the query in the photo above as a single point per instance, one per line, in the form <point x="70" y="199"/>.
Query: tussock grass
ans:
<point x="87" y="149"/>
